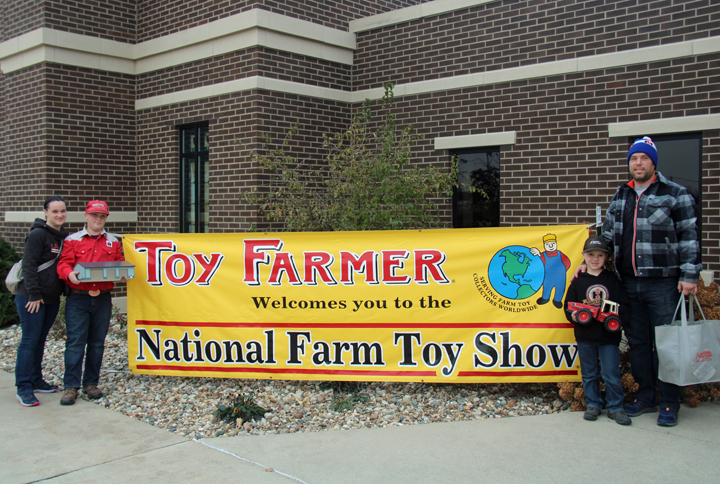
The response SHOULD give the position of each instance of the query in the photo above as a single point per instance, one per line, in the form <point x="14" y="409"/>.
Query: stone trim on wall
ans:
<point x="247" y="29"/>
<point x="416" y="12"/>
<point x="72" y="217"/>
<point x="689" y="124"/>
<point x="504" y="138"/>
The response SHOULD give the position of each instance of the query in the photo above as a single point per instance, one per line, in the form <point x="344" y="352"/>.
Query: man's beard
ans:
<point x="647" y="176"/>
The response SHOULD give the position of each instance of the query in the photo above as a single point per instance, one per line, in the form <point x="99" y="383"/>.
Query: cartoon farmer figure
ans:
<point x="556" y="265"/>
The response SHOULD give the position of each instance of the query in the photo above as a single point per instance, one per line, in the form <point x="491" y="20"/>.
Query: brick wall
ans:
<point x="91" y="136"/>
<point x="114" y="20"/>
<point x="564" y="163"/>
<point x="156" y="19"/>
<point x="20" y="16"/>
<point x="256" y="61"/>
<point x="70" y="132"/>
<point x="561" y="167"/>
<point x="24" y="178"/>
<point x="238" y="123"/>
<point x="507" y="34"/>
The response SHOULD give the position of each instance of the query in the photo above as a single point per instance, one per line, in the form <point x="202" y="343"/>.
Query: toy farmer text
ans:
<point x="459" y="305"/>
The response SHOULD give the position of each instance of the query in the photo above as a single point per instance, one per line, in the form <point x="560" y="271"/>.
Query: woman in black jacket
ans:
<point x="38" y="299"/>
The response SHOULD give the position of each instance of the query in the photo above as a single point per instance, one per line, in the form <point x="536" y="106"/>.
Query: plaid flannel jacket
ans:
<point x="666" y="243"/>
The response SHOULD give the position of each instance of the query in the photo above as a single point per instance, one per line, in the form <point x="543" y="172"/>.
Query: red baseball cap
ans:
<point x="97" y="206"/>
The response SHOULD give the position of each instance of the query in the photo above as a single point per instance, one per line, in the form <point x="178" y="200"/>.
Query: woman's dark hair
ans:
<point x="52" y="199"/>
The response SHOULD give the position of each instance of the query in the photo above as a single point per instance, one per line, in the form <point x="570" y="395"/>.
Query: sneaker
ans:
<point x="93" y="392"/>
<point x="27" y="400"/>
<point x="45" y="387"/>
<point x="638" y="408"/>
<point x="69" y="396"/>
<point x="591" y="413"/>
<point x="620" y="417"/>
<point x="667" y="418"/>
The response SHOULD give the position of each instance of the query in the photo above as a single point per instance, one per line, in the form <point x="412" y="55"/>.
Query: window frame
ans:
<point x="200" y="195"/>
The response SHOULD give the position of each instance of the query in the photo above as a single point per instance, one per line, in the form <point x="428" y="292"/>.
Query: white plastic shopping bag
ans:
<point x="688" y="350"/>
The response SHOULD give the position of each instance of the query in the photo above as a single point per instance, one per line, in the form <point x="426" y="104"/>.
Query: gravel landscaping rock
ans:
<point x="186" y="405"/>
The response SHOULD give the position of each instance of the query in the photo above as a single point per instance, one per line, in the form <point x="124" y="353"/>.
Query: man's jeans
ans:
<point x="35" y="328"/>
<point x="610" y="367"/>
<point x="87" y="319"/>
<point x="653" y="301"/>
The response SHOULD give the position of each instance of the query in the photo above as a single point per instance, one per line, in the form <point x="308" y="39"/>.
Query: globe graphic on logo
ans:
<point x="515" y="273"/>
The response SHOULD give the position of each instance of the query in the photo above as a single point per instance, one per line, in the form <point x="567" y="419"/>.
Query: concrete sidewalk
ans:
<point x="88" y="443"/>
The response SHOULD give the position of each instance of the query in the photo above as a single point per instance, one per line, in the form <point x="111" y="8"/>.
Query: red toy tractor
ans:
<point x="607" y="312"/>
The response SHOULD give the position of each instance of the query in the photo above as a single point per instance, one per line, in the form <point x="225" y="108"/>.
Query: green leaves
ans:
<point x="241" y="407"/>
<point x="369" y="181"/>
<point x="345" y="394"/>
<point x="8" y="311"/>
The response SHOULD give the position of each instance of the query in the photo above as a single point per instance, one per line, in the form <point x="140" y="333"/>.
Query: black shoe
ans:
<point x="542" y="301"/>
<point x="667" y="418"/>
<point x="591" y="413"/>
<point x="637" y="408"/>
<point x="620" y="417"/>
<point x="27" y="400"/>
<point x="558" y="304"/>
<point x="45" y="387"/>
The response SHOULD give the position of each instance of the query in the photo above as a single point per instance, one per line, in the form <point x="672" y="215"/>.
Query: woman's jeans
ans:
<point x="35" y="328"/>
<point x="87" y="320"/>
<point x="609" y="366"/>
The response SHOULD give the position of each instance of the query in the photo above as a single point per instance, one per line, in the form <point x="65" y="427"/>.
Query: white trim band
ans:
<point x="415" y="12"/>
<point x="231" y="34"/>
<point x="245" y="84"/>
<point x="72" y="217"/>
<point x="476" y="140"/>
<point x="686" y="124"/>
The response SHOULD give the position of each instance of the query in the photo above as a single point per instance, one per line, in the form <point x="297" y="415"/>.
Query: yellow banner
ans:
<point x="455" y="305"/>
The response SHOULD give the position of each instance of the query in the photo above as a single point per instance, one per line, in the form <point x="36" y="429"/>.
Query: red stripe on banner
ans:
<point x="352" y="325"/>
<point x="519" y="373"/>
<point x="288" y="370"/>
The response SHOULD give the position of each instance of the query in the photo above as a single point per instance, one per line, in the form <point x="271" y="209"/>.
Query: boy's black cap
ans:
<point x="595" y="243"/>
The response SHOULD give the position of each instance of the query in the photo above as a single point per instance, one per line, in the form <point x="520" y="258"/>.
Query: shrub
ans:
<point x="8" y="311"/>
<point x="241" y="407"/>
<point x="345" y="394"/>
<point x="369" y="182"/>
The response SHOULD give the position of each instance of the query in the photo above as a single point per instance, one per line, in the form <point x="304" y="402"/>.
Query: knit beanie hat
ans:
<point x="644" y="145"/>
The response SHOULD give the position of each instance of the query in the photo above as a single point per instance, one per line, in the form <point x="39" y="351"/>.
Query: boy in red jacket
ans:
<point x="88" y="308"/>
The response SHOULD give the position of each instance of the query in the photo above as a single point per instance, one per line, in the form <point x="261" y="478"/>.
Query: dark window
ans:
<point x="680" y="160"/>
<point x="479" y="168"/>
<point x="194" y="178"/>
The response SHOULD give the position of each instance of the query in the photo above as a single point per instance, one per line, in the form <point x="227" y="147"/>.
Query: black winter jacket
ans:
<point x="41" y="245"/>
<point x="606" y="285"/>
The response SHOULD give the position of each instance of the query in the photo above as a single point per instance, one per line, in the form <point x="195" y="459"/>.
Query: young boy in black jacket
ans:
<point x="594" y="341"/>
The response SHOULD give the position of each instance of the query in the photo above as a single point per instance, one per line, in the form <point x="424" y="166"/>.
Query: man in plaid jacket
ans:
<point x="651" y="226"/>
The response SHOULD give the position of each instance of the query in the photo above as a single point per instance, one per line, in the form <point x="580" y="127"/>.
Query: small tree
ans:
<point x="8" y="312"/>
<point x="369" y="183"/>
